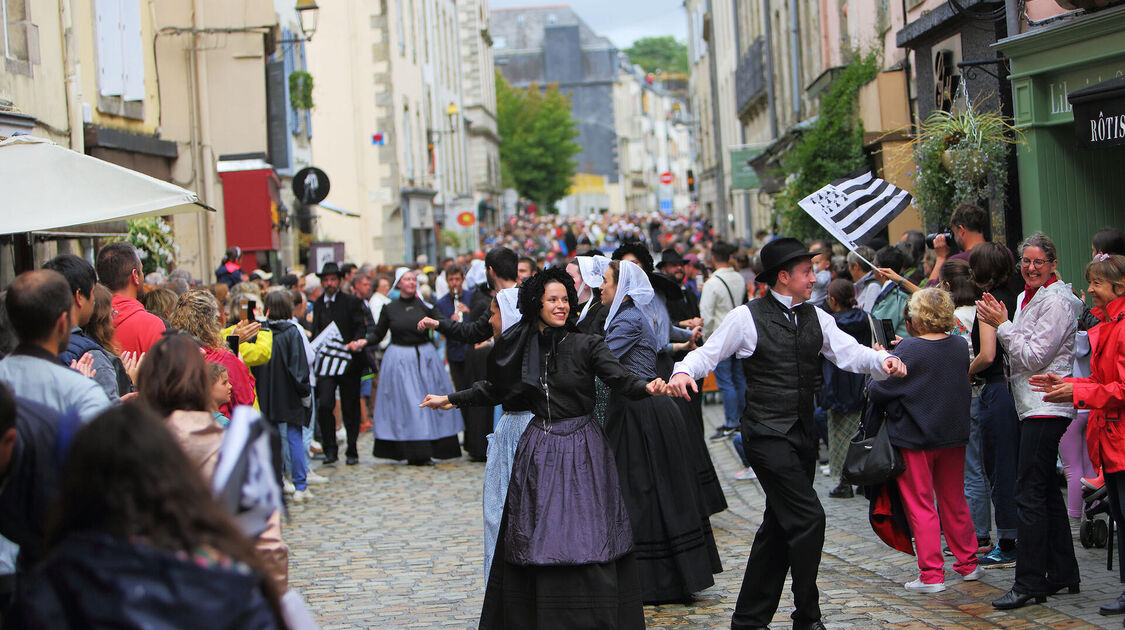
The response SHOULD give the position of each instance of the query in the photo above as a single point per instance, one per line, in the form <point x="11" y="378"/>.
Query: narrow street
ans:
<point x="391" y="546"/>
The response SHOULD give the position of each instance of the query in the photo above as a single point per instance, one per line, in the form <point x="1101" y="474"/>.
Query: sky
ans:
<point x="622" y="21"/>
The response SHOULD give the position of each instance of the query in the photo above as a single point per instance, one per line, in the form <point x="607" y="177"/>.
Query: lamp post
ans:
<point x="439" y="172"/>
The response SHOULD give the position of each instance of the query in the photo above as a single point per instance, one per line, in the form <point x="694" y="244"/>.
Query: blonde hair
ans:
<point x="931" y="311"/>
<point x="1108" y="268"/>
<point x="197" y="313"/>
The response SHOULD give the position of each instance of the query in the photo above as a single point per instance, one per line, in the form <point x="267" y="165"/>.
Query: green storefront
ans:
<point x="1067" y="190"/>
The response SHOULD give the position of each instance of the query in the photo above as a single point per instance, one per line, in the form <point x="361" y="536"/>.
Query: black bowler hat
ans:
<point x="779" y="252"/>
<point x="670" y="257"/>
<point x="330" y="269"/>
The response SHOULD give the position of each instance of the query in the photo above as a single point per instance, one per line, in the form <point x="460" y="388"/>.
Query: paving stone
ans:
<point x="389" y="546"/>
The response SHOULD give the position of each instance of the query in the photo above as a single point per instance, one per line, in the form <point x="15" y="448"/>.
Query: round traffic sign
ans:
<point x="466" y="219"/>
<point x="666" y="177"/>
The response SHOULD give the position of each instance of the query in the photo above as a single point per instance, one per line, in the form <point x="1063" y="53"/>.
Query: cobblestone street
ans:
<point x="386" y="545"/>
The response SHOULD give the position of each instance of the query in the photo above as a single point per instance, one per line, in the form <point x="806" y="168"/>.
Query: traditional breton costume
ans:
<point x="780" y="343"/>
<point x="563" y="554"/>
<point x="672" y="539"/>
<point x="478" y="420"/>
<point x="411" y="367"/>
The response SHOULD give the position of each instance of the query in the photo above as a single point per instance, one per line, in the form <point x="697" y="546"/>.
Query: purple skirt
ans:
<point x="564" y="499"/>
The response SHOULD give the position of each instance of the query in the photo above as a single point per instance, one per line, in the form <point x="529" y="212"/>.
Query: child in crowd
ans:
<point x="220" y="392"/>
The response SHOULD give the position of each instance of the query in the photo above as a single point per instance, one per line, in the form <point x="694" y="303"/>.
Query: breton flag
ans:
<point x="332" y="356"/>
<point x="855" y="208"/>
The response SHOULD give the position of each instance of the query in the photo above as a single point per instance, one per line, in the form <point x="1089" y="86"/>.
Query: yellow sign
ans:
<point x="587" y="184"/>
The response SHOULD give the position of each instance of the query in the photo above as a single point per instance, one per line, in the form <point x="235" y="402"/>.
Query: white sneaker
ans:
<point x="918" y="586"/>
<point x="748" y="473"/>
<point x="287" y="486"/>
<point x="301" y="496"/>
<point x="975" y="575"/>
<point x="826" y="470"/>
<point x="312" y="477"/>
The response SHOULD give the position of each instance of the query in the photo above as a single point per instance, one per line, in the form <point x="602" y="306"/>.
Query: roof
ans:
<point x="522" y="28"/>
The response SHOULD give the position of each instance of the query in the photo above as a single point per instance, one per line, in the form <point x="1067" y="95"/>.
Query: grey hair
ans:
<point x="1043" y="242"/>
<point x="866" y="252"/>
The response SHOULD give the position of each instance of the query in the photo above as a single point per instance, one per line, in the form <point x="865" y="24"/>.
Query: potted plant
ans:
<point x="961" y="156"/>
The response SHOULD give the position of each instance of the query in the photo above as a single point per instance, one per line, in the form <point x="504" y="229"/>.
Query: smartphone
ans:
<point x="880" y="330"/>
<point x="250" y="308"/>
<point x="232" y="343"/>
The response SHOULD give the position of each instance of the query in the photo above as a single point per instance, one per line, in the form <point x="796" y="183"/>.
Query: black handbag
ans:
<point x="872" y="460"/>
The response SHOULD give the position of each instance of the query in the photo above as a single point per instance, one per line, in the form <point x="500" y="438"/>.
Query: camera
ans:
<point x="930" y="238"/>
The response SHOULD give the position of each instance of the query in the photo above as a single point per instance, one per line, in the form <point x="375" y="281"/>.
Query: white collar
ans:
<point x="885" y="283"/>
<point x="786" y="300"/>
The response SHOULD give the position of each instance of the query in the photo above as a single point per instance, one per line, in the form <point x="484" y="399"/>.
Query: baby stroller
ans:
<point x="1096" y="529"/>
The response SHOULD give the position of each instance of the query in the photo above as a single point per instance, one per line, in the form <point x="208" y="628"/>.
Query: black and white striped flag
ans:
<point x="333" y="359"/>
<point x="855" y="208"/>
<point x="332" y="356"/>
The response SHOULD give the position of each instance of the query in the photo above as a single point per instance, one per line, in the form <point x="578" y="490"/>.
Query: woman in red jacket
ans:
<point x="1103" y="392"/>
<point x="197" y="313"/>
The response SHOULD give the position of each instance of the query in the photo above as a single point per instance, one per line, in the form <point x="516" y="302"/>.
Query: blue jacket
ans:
<point x="842" y="391"/>
<point x="454" y="350"/>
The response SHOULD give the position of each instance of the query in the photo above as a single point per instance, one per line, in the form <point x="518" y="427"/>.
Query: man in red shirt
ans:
<point x="119" y="269"/>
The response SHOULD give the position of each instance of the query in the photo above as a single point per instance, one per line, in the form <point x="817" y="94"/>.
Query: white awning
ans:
<point x="45" y="186"/>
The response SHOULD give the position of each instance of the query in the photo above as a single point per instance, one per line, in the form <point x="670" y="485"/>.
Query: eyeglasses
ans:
<point x="1033" y="262"/>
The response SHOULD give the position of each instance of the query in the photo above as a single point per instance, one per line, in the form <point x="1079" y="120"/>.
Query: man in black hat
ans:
<point x="347" y="312"/>
<point x="683" y="306"/>
<point x="780" y="338"/>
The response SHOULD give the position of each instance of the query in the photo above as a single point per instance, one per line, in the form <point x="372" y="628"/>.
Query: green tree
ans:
<point x="830" y="149"/>
<point x="537" y="145"/>
<point x="659" y="53"/>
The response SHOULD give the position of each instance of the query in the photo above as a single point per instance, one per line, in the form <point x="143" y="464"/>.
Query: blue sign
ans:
<point x="666" y="206"/>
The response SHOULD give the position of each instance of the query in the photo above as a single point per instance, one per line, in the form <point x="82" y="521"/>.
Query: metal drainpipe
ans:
<point x="1012" y="16"/>
<point x="795" y="57"/>
<point x="205" y="184"/>
<point x="720" y="177"/>
<point x="771" y="102"/>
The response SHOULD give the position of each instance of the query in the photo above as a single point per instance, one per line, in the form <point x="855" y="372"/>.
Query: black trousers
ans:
<point x="792" y="533"/>
<point x="459" y="374"/>
<point x="349" y="410"/>
<point x="1045" y="556"/>
<point x="1115" y="483"/>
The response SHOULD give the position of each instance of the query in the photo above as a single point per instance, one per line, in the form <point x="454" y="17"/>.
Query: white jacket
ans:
<point x="1040" y="339"/>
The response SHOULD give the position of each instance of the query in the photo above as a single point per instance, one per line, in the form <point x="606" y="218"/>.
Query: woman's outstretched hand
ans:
<point x="427" y="322"/>
<point x="657" y="387"/>
<point x="441" y="403"/>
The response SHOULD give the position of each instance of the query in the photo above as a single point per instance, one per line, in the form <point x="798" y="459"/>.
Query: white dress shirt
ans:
<point x="738" y="336"/>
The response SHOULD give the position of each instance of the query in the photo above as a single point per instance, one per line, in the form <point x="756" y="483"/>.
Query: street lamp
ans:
<point x="435" y="135"/>
<point x="308" y="13"/>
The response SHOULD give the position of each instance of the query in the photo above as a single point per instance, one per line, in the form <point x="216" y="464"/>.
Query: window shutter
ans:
<point x="107" y="24"/>
<point x="132" y="48"/>
<point x="277" y="111"/>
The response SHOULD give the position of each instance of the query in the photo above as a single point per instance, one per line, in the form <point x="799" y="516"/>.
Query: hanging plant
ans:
<point x="152" y="236"/>
<point x="961" y="156"/>
<point x="300" y="90"/>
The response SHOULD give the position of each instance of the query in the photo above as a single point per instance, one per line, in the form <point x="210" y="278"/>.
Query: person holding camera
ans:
<point x="966" y="227"/>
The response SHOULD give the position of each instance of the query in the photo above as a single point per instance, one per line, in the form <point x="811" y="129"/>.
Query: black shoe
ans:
<point x="352" y="460"/>
<point x="1116" y="608"/>
<point x="723" y="433"/>
<point x="330" y="459"/>
<point x="1014" y="599"/>
<point x="808" y="625"/>
<point x="421" y="462"/>
<point x="842" y="491"/>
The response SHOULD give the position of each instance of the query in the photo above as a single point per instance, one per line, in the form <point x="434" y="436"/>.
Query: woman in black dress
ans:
<point x="564" y="555"/>
<point x="672" y="538"/>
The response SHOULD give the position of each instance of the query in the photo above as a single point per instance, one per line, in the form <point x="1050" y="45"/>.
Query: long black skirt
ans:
<point x="713" y="496"/>
<point x="672" y="538"/>
<point x="478" y="420"/>
<point x="417" y="450"/>
<point x="603" y="596"/>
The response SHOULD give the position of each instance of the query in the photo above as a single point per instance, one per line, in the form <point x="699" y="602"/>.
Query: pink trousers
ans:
<point x="938" y="474"/>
